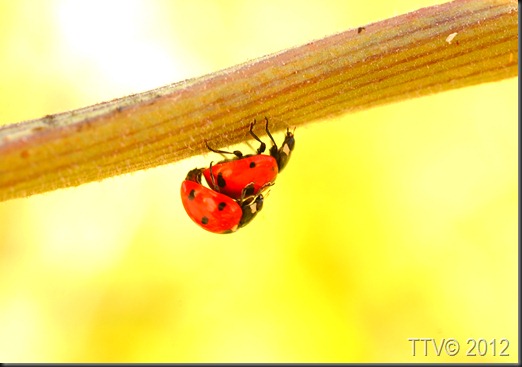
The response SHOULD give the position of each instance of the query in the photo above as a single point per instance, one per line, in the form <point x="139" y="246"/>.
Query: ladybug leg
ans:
<point x="262" y="147"/>
<point x="268" y="133"/>
<point x="274" y="151"/>
<point x="237" y="153"/>
<point x="213" y="179"/>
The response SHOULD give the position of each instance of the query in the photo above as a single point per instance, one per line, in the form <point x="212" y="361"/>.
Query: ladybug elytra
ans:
<point x="215" y="211"/>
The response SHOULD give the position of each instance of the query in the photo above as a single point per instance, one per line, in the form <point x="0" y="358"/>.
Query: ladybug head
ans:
<point x="250" y="207"/>
<point x="194" y="175"/>
<point x="282" y="155"/>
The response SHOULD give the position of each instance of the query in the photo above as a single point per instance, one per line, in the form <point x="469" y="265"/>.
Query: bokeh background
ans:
<point x="394" y="223"/>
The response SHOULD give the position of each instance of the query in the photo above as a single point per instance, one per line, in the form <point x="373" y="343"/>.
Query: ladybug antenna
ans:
<point x="265" y="189"/>
<point x="262" y="147"/>
<point x="265" y="194"/>
<point x="266" y="186"/>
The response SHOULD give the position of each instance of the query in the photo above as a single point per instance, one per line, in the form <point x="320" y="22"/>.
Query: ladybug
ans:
<point x="232" y="176"/>
<point x="214" y="211"/>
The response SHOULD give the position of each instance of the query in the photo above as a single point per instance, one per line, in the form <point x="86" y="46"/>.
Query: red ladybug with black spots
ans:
<point x="231" y="176"/>
<point x="236" y="185"/>
<point x="214" y="211"/>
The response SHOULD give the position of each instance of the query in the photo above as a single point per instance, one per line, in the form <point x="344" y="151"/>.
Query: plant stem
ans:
<point x="454" y="45"/>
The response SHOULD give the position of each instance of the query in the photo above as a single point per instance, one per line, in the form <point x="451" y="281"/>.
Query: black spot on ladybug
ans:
<point x="192" y="194"/>
<point x="220" y="180"/>
<point x="252" y="164"/>
<point x="204" y="220"/>
<point x="222" y="206"/>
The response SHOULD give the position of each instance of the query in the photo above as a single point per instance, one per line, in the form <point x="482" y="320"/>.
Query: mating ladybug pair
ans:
<point x="236" y="185"/>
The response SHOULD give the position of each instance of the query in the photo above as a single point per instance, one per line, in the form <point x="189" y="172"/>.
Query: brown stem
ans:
<point x="457" y="44"/>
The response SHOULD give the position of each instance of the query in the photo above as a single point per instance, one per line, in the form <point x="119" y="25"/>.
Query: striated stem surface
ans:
<point x="454" y="45"/>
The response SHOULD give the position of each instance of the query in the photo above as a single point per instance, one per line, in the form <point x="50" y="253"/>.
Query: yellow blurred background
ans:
<point x="387" y="225"/>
